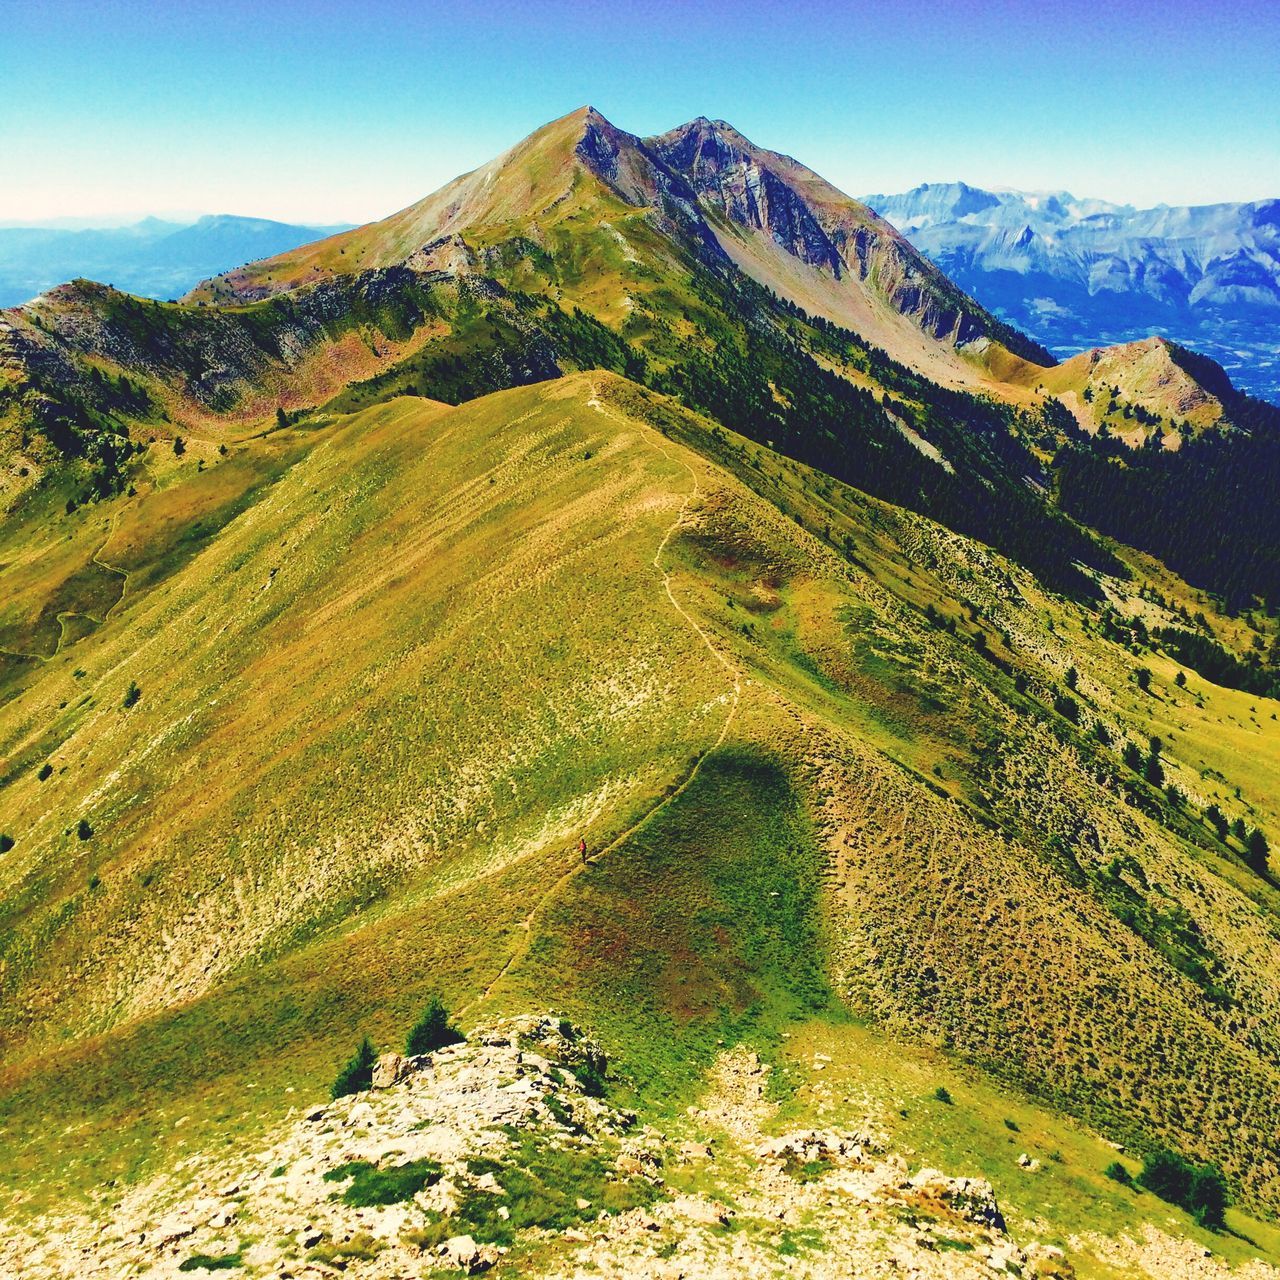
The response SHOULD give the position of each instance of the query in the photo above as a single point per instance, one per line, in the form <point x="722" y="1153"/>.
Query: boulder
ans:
<point x="700" y="1212"/>
<point x="691" y="1151"/>
<point x="1047" y="1262"/>
<point x="361" y="1115"/>
<point x="463" y="1253"/>
<point x="171" y="1230"/>
<point x="388" y="1070"/>
<point x="970" y="1198"/>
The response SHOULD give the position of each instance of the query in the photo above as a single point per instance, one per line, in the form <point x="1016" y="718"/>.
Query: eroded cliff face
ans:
<point x="827" y="230"/>
<point x="730" y="177"/>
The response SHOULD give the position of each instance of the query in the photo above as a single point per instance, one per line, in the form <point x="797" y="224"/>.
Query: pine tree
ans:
<point x="358" y="1072"/>
<point x="432" y="1031"/>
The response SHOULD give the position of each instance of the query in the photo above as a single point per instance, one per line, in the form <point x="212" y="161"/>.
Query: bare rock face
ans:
<point x="725" y="171"/>
<point x="389" y="1070"/>
<point x="449" y="255"/>
<point x="463" y="1253"/>
<point x="807" y="1145"/>
<point x="969" y="1198"/>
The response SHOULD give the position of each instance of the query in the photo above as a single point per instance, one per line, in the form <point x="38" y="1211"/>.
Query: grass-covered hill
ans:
<point x="654" y="494"/>
<point x="347" y="696"/>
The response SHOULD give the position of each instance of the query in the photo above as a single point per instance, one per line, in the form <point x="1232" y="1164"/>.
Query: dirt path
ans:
<point x="525" y="940"/>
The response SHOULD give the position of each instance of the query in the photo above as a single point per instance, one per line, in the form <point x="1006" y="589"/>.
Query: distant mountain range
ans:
<point x="153" y="257"/>
<point x="1082" y="273"/>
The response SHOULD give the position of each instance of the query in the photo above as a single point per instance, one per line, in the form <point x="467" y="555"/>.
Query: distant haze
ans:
<point x="152" y="257"/>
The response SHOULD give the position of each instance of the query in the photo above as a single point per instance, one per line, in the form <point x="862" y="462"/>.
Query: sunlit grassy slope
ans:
<point x="378" y="701"/>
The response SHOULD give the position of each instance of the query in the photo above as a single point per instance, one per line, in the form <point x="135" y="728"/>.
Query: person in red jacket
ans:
<point x="582" y="849"/>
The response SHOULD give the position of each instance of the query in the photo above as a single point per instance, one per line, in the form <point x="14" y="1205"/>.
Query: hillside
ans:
<point x="914" y="697"/>
<point x="154" y="258"/>
<point x="1149" y="391"/>
<point x="830" y="759"/>
<point x="1086" y="273"/>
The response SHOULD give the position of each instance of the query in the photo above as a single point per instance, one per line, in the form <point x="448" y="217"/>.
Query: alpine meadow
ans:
<point x="616" y="722"/>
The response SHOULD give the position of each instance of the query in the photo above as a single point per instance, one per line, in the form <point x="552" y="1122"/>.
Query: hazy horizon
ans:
<point x="188" y="217"/>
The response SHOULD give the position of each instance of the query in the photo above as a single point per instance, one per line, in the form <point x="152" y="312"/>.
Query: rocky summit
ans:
<point x="443" y="1165"/>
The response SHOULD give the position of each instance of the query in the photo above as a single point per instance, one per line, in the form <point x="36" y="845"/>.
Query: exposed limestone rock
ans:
<point x="461" y="1127"/>
<point x="389" y="1070"/>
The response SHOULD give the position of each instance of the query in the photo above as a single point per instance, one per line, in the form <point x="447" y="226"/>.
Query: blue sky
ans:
<point x="328" y="110"/>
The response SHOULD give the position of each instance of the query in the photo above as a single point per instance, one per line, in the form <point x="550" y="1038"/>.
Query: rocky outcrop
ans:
<point x="828" y="231"/>
<point x="489" y="1155"/>
<point x="728" y="174"/>
<point x="373" y="1183"/>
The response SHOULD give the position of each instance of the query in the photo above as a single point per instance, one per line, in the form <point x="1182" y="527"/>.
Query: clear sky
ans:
<point x="337" y="110"/>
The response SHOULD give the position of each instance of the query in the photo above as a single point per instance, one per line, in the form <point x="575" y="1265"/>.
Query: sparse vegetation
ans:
<point x="541" y="1186"/>
<point x="212" y="1262"/>
<point x="373" y="1185"/>
<point x="718" y="930"/>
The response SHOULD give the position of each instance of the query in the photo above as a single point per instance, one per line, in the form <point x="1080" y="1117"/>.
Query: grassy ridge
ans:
<point x="705" y="927"/>
<point x="464" y="658"/>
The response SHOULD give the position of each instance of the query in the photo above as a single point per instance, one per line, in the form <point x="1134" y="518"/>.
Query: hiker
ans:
<point x="582" y="849"/>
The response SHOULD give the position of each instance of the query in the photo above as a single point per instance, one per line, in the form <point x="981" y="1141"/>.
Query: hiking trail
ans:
<point x="526" y="925"/>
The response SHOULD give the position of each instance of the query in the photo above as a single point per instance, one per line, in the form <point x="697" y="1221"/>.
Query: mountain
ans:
<point x="703" y="185"/>
<point x="153" y="257"/>
<point x="327" y="715"/>
<point x="582" y="247"/>
<point x="695" y="262"/>
<point x="807" y="740"/>
<point x="1082" y="273"/>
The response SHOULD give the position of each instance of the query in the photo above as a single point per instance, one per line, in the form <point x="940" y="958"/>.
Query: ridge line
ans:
<point x="526" y="925"/>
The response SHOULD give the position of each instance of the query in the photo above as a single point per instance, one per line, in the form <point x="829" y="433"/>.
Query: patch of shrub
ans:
<point x="437" y="1230"/>
<point x="46" y="771"/>
<point x="541" y="1187"/>
<point x="362" y="1247"/>
<point x="358" y="1072"/>
<point x="1067" y="708"/>
<point x="211" y="1262"/>
<point x="1118" y="1173"/>
<point x="131" y="694"/>
<point x="6" y="842"/>
<point x="942" y="1095"/>
<point x="1199" y="1189"/>
<point x="591" y="1079"/>
<point x="83" y="830"/>
<point x="371" y="1185"/>
<point x="432" y="1031"/>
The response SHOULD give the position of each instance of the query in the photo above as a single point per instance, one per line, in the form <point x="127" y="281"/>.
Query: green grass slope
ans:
<point x="339" y="753"/>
